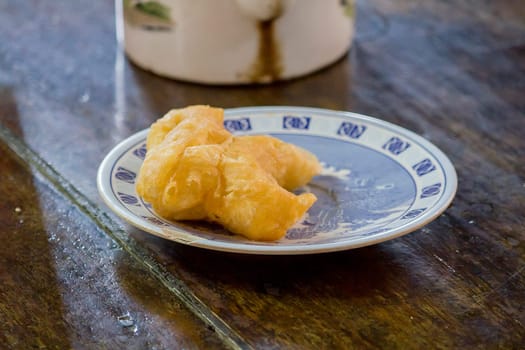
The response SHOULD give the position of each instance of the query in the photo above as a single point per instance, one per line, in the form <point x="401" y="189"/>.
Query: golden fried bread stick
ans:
<point x="195" y="169"/>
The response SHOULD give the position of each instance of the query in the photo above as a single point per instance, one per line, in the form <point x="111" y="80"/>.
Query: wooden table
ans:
<point x="73" y="275"/>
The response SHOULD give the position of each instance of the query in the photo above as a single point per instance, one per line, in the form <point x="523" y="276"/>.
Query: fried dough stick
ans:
<point x="196" y="170"/>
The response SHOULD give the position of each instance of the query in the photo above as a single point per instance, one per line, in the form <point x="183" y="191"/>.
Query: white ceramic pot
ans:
<point x="235" y="41"/>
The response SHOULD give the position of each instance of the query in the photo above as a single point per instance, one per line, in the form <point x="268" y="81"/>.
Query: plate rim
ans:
<point x="442" y="204"/>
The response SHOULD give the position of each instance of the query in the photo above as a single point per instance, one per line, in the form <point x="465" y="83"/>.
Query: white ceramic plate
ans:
<point x="379" y="182"/>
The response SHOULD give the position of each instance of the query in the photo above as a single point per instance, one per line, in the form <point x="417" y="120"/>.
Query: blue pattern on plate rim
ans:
<point x="376" y="179"/>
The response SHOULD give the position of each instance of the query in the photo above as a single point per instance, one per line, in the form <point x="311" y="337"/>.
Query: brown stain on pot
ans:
<point x="268" y="65"/>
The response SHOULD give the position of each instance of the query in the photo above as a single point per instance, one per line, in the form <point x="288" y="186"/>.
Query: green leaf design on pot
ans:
<point x="348" y="8"/>
<point x="149" y="15"/>
<point x="154" y="8"/>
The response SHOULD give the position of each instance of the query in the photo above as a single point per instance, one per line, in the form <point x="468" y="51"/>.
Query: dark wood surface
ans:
<point x="73" y="275"/>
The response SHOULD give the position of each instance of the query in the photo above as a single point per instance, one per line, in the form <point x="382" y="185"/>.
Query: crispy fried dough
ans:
<point x="196" y="170"/>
